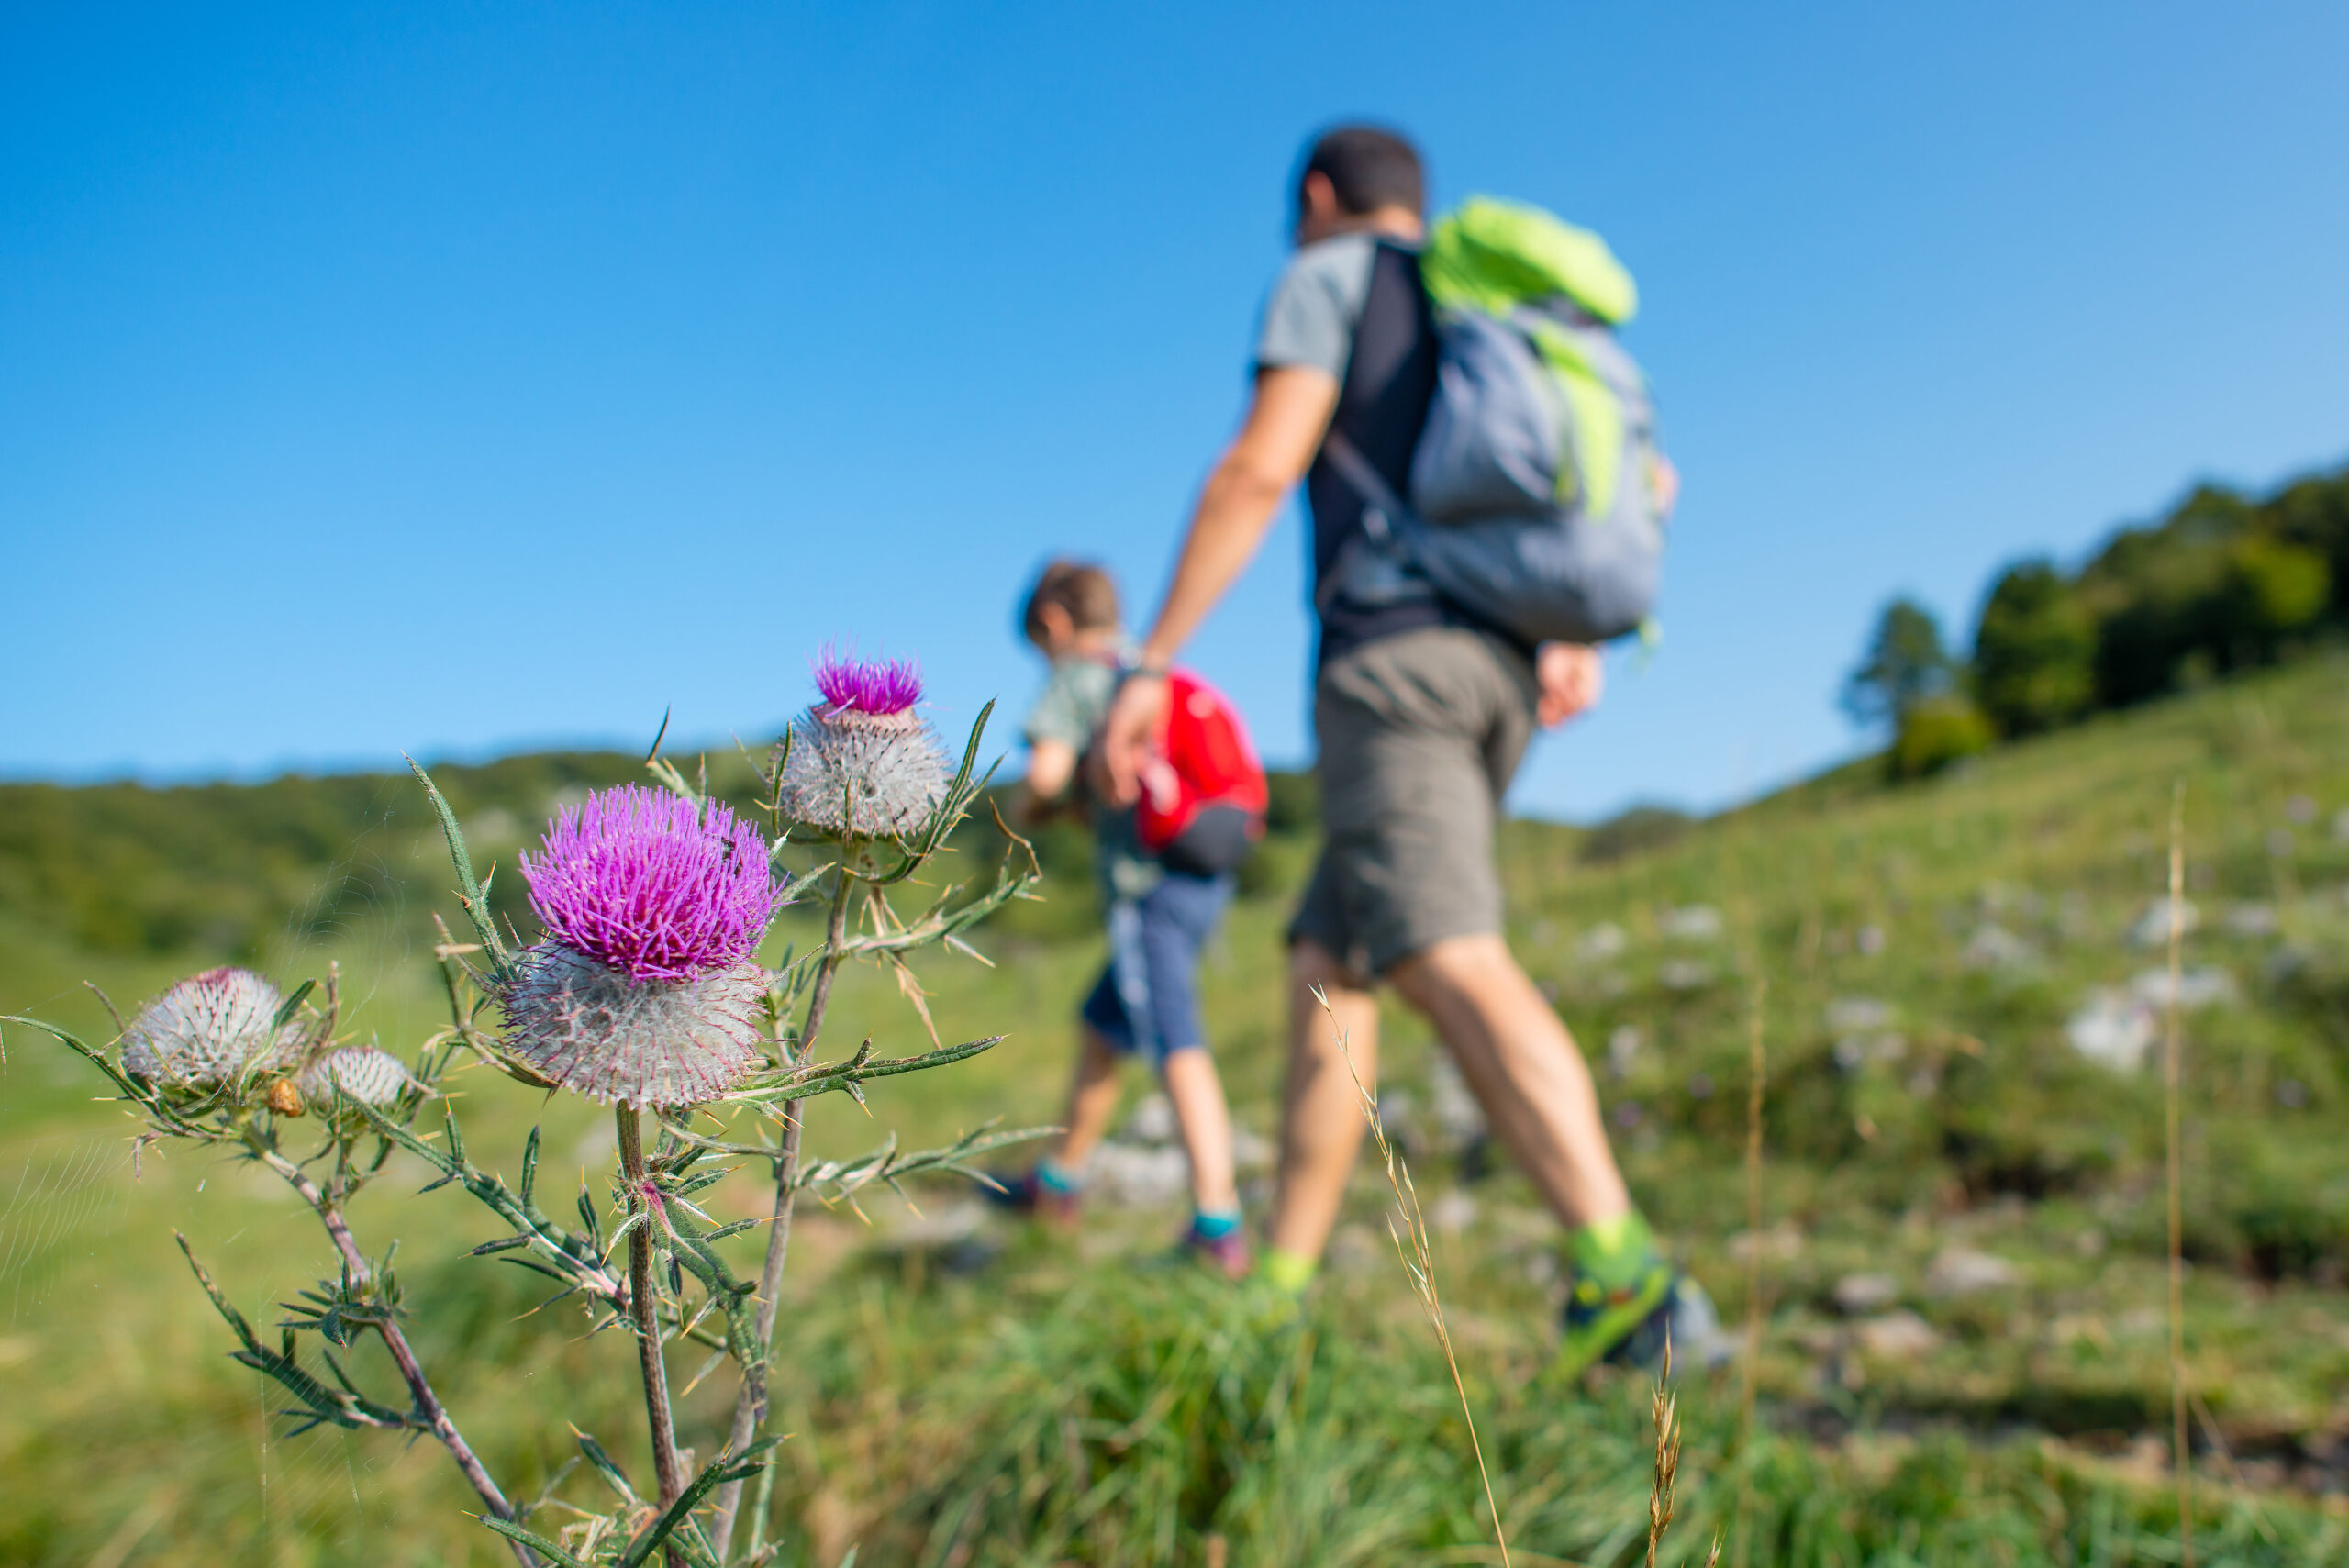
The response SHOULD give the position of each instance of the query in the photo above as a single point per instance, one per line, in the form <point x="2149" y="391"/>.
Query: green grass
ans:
<point x="1059" y="1404"/>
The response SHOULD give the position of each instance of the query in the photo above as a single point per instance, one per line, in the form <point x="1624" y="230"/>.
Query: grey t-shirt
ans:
<point x="1326" y="298"/>
<point x="1069" y="708"/>
<point x="1315" y="304"/>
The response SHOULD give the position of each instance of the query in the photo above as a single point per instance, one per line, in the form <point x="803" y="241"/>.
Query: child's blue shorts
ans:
<point x="1147" y="1001"/>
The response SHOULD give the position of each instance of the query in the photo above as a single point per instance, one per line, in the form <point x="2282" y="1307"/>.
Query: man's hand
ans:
<point x="1666" y="490"/>
<point x="1113" y="765"/>
<point x="1571" y="677"/>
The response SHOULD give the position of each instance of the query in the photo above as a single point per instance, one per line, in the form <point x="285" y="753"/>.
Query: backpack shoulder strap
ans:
<point x="1376" y="566"/>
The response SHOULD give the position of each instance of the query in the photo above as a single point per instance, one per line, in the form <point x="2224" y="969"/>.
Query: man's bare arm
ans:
<point x="1286" y="422"/>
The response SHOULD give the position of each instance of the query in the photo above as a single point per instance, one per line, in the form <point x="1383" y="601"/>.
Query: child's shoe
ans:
<point x="1220" y="1246"/>
<point x="1034" y="1194"/>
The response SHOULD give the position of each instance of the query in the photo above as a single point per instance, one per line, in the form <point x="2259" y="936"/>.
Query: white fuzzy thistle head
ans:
<point x="595" y="1031"/>
<point x="362" y="1075"/>
<point x="863" y="775"/>
<point x="208" y="1030"/>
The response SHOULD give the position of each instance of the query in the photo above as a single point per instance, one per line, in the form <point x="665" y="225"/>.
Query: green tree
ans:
<point x="1905" y="665"/>
<point x="2035" y="651"/>
<point x="1936" y="732"/>
<point x="2273" y="589"/>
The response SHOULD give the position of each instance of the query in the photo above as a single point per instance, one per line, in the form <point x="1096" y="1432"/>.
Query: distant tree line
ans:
<point x="2223" y="583"/>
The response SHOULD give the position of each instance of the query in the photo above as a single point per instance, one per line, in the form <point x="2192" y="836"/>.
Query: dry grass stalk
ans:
<point x="2172" y="1051"/>
<point x="1756" y="1064"/>
<point x="1664" y="1409"/>
<point x="1419" y="1261"/>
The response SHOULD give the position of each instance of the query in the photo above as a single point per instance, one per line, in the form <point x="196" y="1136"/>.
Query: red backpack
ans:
<point x="1203" y="795"/>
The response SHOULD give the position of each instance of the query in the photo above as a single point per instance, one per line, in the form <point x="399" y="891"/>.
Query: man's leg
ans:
<point x="1322" y="1120"/>
<point x="1200" y="1111"/>
<point x="1523" y="1068"/>
<point x="1627" y="1300"/>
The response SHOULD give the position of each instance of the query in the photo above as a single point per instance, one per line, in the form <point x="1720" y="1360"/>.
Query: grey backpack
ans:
<point x="1532" y="500"/>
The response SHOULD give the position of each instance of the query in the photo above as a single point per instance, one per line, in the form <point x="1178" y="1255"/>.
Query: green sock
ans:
<point x="1286" y="1271"/>
<point x="1616" y="1253"/>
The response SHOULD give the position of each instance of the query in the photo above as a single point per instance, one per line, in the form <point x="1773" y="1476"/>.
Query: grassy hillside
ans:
<point x="1959" y="1254"/>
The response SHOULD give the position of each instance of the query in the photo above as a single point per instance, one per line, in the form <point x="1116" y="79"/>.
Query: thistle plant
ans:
<point x="644" y="992"/>
<point x="862" y="764"/>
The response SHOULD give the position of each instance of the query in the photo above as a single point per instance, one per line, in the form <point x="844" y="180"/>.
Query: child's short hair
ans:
<point x="1078" y="587"/>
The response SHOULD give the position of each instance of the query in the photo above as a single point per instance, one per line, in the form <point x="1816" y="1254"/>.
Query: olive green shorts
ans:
<point x="1420" y="735"/>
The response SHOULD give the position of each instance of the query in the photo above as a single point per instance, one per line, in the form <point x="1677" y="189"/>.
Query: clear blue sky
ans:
<point x="458" y="379"/>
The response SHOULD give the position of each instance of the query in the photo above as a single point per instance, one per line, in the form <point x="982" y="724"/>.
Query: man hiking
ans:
<point x="1421" y="713"/>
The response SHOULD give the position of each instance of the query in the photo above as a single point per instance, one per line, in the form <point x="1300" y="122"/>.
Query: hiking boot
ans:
<point x="1227" y="1254"/>
<point x="1027" y="1193"/>
<point x="1630" y="1326"/>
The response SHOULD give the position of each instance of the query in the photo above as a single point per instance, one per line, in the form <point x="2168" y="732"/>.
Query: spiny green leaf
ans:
<point x="469" y="886"/>
<point x="532" y="1540"/>
<point x="292" y="1004"/>
<point x="605" y="1468"/>
<point x="724" y="1468"/>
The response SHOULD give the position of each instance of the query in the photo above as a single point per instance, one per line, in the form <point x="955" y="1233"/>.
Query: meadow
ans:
<point x="1958" y="1269"/>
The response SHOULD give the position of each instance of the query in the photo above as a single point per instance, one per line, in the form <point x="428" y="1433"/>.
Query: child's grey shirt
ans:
<point x="1069" y="709"/>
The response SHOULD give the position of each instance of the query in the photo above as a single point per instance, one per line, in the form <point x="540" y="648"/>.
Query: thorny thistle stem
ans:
<point x="644" y="1306"/>
<point x="750" y="1404"/>
<point x="1419" y="1261"/>
<point x="2172" y="1052"/>
<point x="403" y="1356"/>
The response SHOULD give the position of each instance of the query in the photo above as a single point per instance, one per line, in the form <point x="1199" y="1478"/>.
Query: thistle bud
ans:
<point x="207" y="1030"/>
<point x="645" y="990"/>
<point x="363" y="1074"/>
<point x="862" y="764"/>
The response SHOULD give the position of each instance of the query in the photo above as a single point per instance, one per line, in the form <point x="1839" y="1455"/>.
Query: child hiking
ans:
<point x="1165" y="868"/>
<point x="1453" y="624"/>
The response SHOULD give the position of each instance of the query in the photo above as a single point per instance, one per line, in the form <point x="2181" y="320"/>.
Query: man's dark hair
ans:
<point x="1369" y="167"/>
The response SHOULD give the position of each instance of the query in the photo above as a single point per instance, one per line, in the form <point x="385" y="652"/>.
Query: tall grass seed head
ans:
<point x="207" y="1029"/>
<point x="862" y="764"/>
<point x="652" y="884"/>
<point x="645" y="990"/>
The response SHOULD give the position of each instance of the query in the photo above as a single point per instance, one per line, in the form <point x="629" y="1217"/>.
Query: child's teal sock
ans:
<point x="1214" y="1224"/>
<point x="1057" y="1178"/>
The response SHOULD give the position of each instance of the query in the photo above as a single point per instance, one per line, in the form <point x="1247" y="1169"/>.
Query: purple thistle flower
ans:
<point x="651" y="884"/>
<point x="207" y="1029"/>
<point x="878" y="686"/>
<point x="645" y="990"/>
<point x="862" y="764"/>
